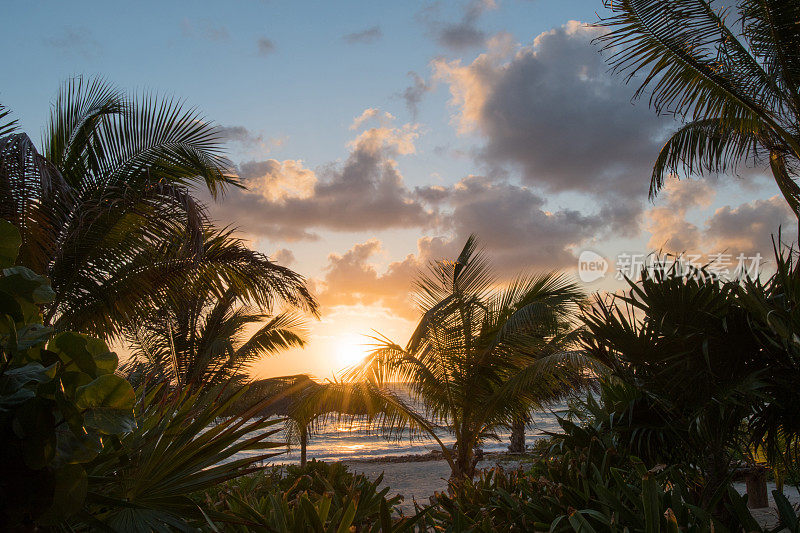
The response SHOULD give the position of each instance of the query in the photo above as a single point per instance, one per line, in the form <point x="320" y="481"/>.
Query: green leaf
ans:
<point x="650" y="504"/>
<point x="91" y="355"/>
<point x="10" y="241"/>
<point x="579" y="523"/>
<point x="32" y="335"/>
<point x="72" y="380"/>
<point x="11" y="307"/>
<point x="17" y="378"/>
<point x="23" y="282"/>
<point x="347" y="519"/>
<point x="75" y="448"/>
<point x="107" y="404"/>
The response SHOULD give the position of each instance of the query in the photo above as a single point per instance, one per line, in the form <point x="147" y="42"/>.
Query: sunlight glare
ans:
<point x="350" y="350"/>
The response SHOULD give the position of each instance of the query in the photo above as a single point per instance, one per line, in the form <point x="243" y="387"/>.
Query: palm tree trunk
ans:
<point x="303" y="446"/>
<point x="464" y="463"/>
<point x="518" y="435"/>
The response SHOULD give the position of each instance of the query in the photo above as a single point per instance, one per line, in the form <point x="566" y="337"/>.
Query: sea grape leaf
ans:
<point x="74" y="348"/>
<point x="77" y="447"/>
<point x="107" y="404"/>
<point x="17" y="378"/>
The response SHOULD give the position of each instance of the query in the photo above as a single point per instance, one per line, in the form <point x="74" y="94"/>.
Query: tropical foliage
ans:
<point x="583" y="484"/>
<point x="481" y="358"/>
<point x="319" y="497"/>
<point x="59" y="401"/>
<point x="198" y="338"/>
<point x="736" y="78"/>
<point x="183" y="444"/>
<point x="689" y="362"/>
<point x="774" y="316"/>
<point x="106" y="210"/>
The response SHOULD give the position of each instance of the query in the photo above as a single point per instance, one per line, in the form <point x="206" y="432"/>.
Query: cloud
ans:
<point x="516" y="227"/>
<point x="413" y="93"/>
<point x="278" y="180"/>
<point x="287" y="201"/>
<point x="75" y="41"/>
<point x="511" y="222"/>
<point x="462" y="34"/>
<point x="670" y="231"/>
<point x="353" y="278"/>
<point x="283" y="257"/>
<point x="552" y="111"/>
<point x="204" y="29"/>
<point x="247" y="139"/>
<point x="265" y="46"/>
<point x="743" y="229"/>
<point x="748" y="228"/>
<point x="372" y="113"/>
<point x="367" y="36"/>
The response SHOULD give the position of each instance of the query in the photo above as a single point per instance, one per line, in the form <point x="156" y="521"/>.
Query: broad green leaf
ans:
<point x="107" y="404"/>
<point x="81" y="350"/>
<point x="10" y="241"/>
<point x="32" y="335"/>
<point x="17" y="378"/>
<point x="11" y="307"/>
<point x="77" y="448"/>
<point x="23" y="282"/>
<point x="72" y="380"/>
<point x="110" y="421"/>
<point x="107" y="391"/>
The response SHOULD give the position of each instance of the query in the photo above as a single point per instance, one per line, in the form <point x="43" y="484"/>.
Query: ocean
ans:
<point x="351" y="441"/>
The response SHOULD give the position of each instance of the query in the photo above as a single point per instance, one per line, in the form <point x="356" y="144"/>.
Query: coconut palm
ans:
<point x="308" y="405"/>
<point x="198" y="339"/>
<point x="481" y="358"/>
<point x="738" y="84"/>
<point x="106" y="209"/>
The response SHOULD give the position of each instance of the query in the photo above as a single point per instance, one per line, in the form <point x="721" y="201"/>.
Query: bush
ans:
<point x="583" y="484"/>
<point x="319" y="497"/>
<point x="60" y="401"/>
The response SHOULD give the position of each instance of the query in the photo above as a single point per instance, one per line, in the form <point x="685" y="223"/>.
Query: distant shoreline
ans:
<point x="434" y="455"/>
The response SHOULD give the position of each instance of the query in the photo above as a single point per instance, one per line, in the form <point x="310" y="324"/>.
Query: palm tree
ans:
<point x="198" y="339"/>
<point x="308" y="404"/>
<point x="106" y="210"/>
<point x="481" y="358"/>
<point x="738" y="85"/>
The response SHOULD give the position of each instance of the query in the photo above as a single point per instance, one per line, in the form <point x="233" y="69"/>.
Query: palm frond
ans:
<point x="7" y="126"/>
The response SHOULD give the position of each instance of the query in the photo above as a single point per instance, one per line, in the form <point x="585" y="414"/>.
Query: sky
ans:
<point x="375" y="137"/>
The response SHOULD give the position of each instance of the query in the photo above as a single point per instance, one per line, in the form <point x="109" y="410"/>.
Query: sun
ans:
<point x="350" y="350"/>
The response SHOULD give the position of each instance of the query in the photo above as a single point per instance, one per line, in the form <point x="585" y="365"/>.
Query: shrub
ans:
<point x="319" y="497"/>
<point x="583" y="484"/>
<point x="60" y="401"/>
